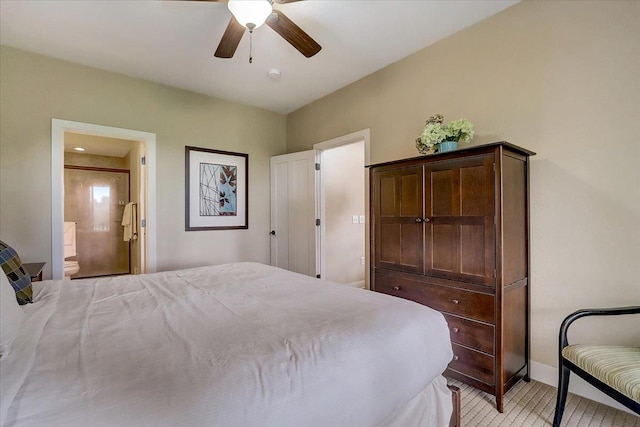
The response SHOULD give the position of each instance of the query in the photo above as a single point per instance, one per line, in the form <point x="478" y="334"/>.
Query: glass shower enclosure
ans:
<point x="95" y="198"/>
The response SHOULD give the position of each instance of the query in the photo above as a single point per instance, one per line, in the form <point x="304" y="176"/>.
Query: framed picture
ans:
<point x="216" y="189"/>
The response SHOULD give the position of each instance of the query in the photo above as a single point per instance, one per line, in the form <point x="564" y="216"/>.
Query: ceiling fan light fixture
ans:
<point x="250" y="13"/>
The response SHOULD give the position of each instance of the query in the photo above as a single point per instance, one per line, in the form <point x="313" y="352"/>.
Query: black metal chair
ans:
<point x="614" y="370"/>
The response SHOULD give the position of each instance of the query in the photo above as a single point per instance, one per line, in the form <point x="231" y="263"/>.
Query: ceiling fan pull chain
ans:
<point x="251" y="26"/>
<point x="250" y="46"/>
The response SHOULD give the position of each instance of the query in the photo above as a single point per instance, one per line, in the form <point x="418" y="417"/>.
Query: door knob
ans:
<point x="418" y="220"/>
<point x="273" y="232"/>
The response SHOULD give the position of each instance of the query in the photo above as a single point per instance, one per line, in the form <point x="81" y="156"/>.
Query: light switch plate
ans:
<point x="361" y="219"/>
<point x="354" y="219"/>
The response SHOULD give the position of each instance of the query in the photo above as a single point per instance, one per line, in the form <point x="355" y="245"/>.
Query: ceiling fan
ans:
<point x="250" y="14"/>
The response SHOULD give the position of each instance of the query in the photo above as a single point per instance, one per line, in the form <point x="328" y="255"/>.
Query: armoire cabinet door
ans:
<point x="459" y="225"/>
<point x="398" y="204"/>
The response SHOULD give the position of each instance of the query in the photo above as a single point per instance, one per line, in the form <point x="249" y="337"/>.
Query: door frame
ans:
<point x="358" y="136"/>
<point x="147" y="188"/>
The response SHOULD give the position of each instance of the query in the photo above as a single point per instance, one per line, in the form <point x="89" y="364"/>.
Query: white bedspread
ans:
<point x="234" y="345"/>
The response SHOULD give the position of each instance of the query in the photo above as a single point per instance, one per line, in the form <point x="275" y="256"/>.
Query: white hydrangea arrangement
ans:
<point x="435" y="132"/>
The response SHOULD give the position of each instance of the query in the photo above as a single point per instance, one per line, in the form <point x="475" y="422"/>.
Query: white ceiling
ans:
<point x="173" y="42"/>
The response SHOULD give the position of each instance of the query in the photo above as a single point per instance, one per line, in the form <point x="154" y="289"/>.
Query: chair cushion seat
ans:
<point x="618" y="367"/>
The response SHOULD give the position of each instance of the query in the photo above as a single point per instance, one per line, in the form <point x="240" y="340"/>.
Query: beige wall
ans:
<point x="343" y="185"/>
<point x="34" y="89"/>
<point x="559" y="78"/>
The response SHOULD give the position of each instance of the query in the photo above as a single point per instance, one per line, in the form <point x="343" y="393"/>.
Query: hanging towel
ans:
<point x="130" y="222"/>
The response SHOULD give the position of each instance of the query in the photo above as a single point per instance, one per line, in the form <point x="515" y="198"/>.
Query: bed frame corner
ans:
<point x="455" y="397"/>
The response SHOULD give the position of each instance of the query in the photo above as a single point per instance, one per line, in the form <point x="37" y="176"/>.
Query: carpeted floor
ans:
<point x="533" y="404"/>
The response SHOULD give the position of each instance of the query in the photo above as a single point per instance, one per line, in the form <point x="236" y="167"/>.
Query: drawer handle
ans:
<point x="455" y="330"/>
<point x="455" y="301"/>
<point x="396" y="288"/>
<point x="455" y="357"/>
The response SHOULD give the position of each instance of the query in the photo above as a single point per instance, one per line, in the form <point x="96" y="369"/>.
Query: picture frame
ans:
<point x="216" y="189"/>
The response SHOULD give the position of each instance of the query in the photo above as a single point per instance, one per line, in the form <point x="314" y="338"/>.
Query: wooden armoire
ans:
<point x="451" y="231"/>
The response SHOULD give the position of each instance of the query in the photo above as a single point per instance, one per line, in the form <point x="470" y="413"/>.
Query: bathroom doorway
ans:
<point x="106" y="170"/>
<point x="98" y="204"/>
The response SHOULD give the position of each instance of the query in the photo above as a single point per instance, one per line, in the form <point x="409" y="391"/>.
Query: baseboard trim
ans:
<point x="549" y="375"/>
<point x="358" y="284"/>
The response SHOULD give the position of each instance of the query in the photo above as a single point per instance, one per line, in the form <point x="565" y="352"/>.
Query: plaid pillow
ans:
<point x="19" y="279"/>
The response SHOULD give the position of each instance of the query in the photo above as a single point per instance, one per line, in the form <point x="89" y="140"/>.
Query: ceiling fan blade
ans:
<point x="293" y="34"/>
<point x="230" y="39"/>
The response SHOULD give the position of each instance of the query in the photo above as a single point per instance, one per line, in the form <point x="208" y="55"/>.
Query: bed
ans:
<point x="240" y="344"/>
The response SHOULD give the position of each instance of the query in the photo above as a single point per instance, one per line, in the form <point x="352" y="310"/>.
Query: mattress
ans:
<point x="240" y="344"/>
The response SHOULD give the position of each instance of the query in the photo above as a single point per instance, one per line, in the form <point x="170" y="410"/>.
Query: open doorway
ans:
<point x="101" y="201"/>
<point x="343" y="209"/>
<point x="318" y="210"/>
<point x="93" y="191"/>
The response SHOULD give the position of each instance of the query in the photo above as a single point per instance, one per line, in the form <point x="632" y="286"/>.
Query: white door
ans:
<point x="294" y="233"/>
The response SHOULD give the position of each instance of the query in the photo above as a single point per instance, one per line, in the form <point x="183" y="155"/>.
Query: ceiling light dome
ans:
<point x="250" y="13"/>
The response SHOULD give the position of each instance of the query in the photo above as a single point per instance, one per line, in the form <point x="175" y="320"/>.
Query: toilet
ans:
<point x="70" y="267"/>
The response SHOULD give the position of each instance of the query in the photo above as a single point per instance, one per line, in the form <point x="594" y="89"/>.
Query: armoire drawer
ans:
<point x="461" y="302"/>
<point x="473" y="364"/>
<point x="470" y="333"/>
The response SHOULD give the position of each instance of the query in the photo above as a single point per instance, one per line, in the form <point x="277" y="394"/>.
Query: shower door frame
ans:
<point x="112" y="170"/>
